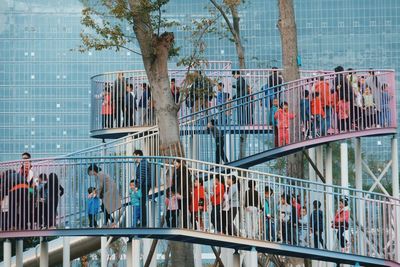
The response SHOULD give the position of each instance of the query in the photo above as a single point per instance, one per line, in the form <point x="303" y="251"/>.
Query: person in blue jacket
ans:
<point x="93" y="206"/>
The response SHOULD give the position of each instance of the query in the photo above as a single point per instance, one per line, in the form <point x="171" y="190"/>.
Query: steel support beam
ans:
<point x="329" y="200"/>
<point x="344" y="167"/>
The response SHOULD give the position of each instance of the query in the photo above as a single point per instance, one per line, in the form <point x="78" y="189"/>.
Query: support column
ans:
<point x="66" y="252"/>
<point x="197" y="255"/>
<point x="146" y="249"/>
<point x="344" y="167"/>
<point x="329" y="198"/>
<point x="44" y="253"/>
<point x="396" y="193"/>
<point x="253" y="257"/>
<point x="129" y="253"/>
<point x="103" y="251"/>
<point x="7" y="253"/>
<point x="236" y="259"/>
<point x="361" y="204"/>
<point x="135" y="252"/>
<point x="19" y="253"/>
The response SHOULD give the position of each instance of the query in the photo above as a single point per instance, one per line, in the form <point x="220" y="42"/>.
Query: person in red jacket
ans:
<point x="283" y="116"/>
<point x="341" y="221"/>
<point x="199" y="204"/>
<point x="216" y="201"/>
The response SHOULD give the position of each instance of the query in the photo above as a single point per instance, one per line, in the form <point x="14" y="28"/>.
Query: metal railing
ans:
<point x="319" y="105"/>
<point x="165" y="192"/>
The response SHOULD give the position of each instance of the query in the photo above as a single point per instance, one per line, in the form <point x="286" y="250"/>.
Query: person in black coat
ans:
<point x="18" y="213"/>
<point x="53" y="191"/>
<point x="182" y="184"/>
<point x="130" y="106"/>
<point x="241" y="91"/>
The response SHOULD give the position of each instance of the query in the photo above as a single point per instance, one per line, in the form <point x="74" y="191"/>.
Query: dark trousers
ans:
<point x="231" y="218"/>
<point x="216" y="217"/>
<point x="184" y="207"/>
<point x="340" y="236"/>
<point x="220" y="151"/>
<point x="107" y="215"/>
<point x="92" y="220"/>
<point x="172" y="218"/>
<point x="143" y="209"/>
<point x="286" y="232"/>
<point x="117" y="115"/>
<point x="128" y="117"/>
<point x="318" y="239"/>
<point x="106" y="120"/>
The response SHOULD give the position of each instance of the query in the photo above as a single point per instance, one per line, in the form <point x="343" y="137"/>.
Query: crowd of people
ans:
<point x="29" y="200"/>
<point x="219" y="203"/>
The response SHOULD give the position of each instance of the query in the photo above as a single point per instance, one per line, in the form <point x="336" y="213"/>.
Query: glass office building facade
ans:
<point x="44" y="82"/>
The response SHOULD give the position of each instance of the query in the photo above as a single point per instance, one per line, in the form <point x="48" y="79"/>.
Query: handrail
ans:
<point x="256" y="223"/>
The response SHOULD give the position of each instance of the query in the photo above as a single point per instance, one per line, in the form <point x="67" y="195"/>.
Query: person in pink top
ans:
<point x="283" y="116"/>
<point x="106" y="108"/>
<point x="341" y="221"/>
<point x="171" y="204"/>
<point x="343" y="111"/>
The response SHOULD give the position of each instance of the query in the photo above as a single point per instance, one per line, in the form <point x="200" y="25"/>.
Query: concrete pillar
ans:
<point x="359" y="186"/>
<point x="344" y="167"/>
<point x="136" y="252"/>
<point x="19" y="253"/>
<point x="103" y="252"/>
<point x="129" y="253"/>
<point x="7" y="253"/>
<point x="329" y="210"/>
<point x="66" y="251"/>
<point x="44" y="253"/>
<point x="396" y="193"/>
<point x="236" y="259"/>
<point x="253" y="257"/>
<point x="227" y="256"/>
<point x="197" y="255"/>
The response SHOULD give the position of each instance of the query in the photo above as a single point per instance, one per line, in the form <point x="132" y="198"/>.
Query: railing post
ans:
<point x="360" y="206"/>
<point x="396" y="194"/>
<point x="7" y="253"/>
<point x="66" y="251"/>
<point x="329" y="199"/>
<point x="19" y="254"/>
<point x="104" y="252"/>
<point x="44" y="253"/>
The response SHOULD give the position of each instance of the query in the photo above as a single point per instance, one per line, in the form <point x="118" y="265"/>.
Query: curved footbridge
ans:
<point x="370" y="237"/>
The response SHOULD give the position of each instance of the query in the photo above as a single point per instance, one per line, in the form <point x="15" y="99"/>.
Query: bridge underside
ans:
<point x="212" y="240"/>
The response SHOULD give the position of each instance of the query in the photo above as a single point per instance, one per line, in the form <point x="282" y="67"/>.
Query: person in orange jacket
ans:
<point x="283" y="116"/>
<point x="318" y="115"/>
<point x="341" y="221"/>
<point x="199" y="203"/>
<point x="216" y="201"/>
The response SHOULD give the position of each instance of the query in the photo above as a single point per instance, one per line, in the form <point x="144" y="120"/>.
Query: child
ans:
<point x="285" y="219"/>
<point x="135" y="194"/>
<point x="273" y="121"/>
<point x="283" y="116"/>
<point x="318" y="113"/>
<point x="171" y="203"/>
<point x="305" y="112"/>
<point x="269" y="213"/>
<point x="199" y="203"/>
<point x="106" y="108"/>
<point x="317" y="224"/>
<point x="343" y="111"/>
<point x="369" y="108"/>
<point x="93" y="206"/>
<point x="303" y="227"/>
<point x="341" y="222"/>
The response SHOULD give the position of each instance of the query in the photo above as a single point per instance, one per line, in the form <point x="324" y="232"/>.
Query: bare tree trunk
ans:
<point x="288" y="32"/>
<point x="155" y="49"/>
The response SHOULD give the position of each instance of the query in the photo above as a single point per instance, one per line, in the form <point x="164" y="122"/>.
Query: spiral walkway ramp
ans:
<point x="248" y="130"/>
